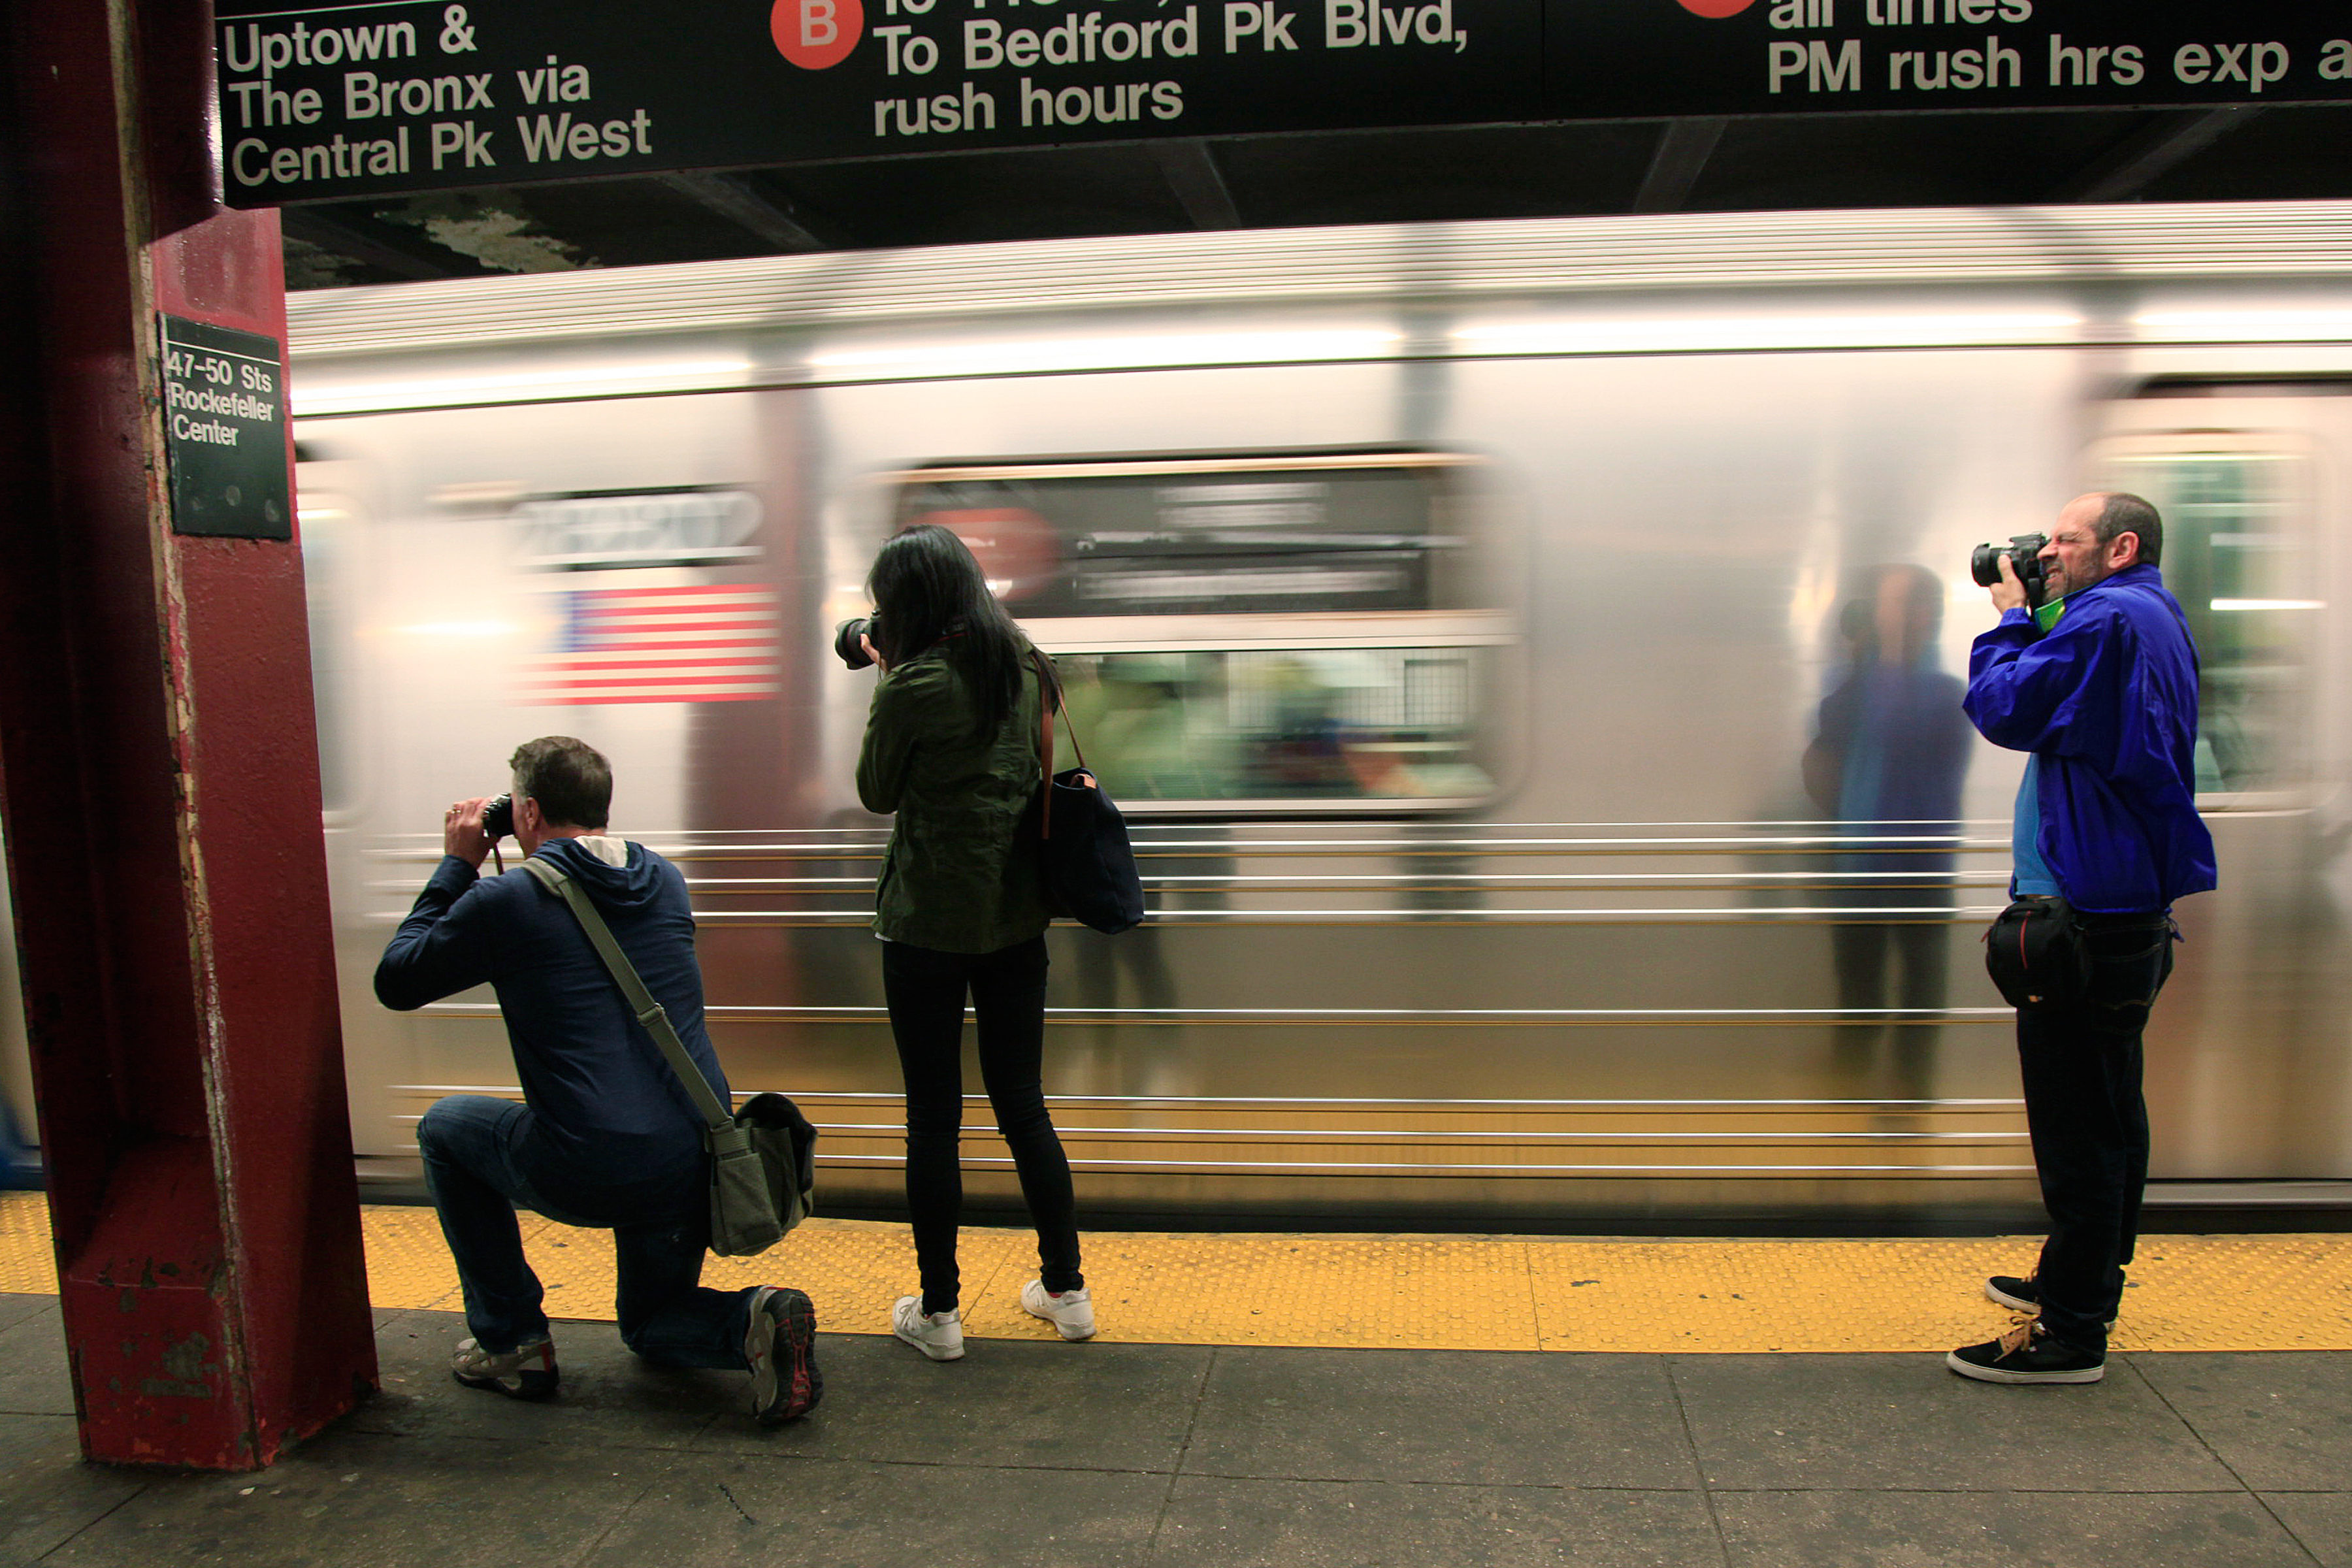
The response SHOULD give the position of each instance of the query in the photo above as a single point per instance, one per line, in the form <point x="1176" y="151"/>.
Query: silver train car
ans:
<point x="1528" y="654"/>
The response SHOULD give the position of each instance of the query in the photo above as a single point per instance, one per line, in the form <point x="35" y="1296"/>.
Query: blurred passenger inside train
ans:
<point x="952" y="748"/>
<point x="607" y="1136"/>
<point x="2097" y="678"/>
<point x="1890" y="750"/>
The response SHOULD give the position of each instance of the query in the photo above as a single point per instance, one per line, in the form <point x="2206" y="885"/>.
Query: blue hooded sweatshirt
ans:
<point x="608" y="1113"/>
<point x="2107" y="702"/>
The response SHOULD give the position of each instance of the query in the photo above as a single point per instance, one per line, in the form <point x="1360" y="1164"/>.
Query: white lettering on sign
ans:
<point x="549" y="137"/>
<point x="671" y="528"/>
<point x="270" y="53"/>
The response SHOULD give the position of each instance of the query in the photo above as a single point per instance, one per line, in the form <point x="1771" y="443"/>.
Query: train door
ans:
<point x="2247" y="1056"/>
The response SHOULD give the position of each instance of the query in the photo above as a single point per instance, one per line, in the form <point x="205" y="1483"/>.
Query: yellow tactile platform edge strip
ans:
<point x="1428" y="1292"/>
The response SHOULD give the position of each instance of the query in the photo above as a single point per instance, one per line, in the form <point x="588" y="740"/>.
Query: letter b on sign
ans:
<point x="815" y="34"/>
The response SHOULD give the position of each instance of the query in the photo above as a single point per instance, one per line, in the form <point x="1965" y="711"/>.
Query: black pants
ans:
<point x="925" y="989"/>
<point x="2082" y="1068"/>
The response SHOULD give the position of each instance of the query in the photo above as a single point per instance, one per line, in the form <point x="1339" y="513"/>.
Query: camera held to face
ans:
<point x="846" y="640"/>
<point x="2024" y="552"/>
<point x="497" y="818"/>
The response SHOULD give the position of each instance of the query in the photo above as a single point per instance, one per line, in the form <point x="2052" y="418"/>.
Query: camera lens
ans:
<point x="1985" y="566"/>
<point x="845" y="643"/>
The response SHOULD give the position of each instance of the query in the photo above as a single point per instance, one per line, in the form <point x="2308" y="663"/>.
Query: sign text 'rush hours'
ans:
<point x="343" y="99"/>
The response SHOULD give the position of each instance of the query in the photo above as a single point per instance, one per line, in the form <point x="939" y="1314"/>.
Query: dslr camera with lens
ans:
<point x="2024" y="552"/>
<point x="498" y="817"/>
<point x="845" y="640"/>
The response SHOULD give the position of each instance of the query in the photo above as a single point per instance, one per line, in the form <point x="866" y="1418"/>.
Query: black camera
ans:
<point x="2024" y="552"/>
<point x="498" y="817"/>
<point x="844" y="641"/>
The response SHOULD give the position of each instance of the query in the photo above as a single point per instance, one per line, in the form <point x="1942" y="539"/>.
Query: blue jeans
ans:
<point x="479" y="1166"/>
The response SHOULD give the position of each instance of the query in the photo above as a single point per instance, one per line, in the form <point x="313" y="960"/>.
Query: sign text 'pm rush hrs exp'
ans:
<point x="343" y="99"/>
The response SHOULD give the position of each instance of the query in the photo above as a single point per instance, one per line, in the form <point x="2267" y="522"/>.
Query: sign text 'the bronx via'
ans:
<point x="342" y="99"/>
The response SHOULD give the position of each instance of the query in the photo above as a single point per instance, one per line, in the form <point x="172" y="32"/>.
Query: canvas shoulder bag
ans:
<point x="764" y="1159"/>
<point x="1088" y="864"/>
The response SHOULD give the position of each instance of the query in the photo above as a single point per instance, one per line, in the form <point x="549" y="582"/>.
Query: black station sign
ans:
<point x="343" y="100"/>
<point x="225" y="432"/>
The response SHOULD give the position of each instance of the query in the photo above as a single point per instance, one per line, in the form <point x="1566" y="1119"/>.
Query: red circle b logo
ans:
<point x="1715" y="7"/>
<point x="815" y="34"/>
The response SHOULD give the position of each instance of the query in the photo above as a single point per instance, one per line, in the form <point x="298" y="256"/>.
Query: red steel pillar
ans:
<point x="159" y="773"/>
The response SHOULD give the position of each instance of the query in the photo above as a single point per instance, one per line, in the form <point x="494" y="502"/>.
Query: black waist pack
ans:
<point x="2035" y="954"/>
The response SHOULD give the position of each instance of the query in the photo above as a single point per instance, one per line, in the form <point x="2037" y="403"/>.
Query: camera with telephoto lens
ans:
<point x="844" y="641"/>
<point x="2024" y="552"/>
<point x="498" y="817"/>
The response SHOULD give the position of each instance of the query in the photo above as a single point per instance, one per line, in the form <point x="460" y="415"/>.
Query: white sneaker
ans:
<point x="938" y="1335"/>
<point x="1072" y="1312"/>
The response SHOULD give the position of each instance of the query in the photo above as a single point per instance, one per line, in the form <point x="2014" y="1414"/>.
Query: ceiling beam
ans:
<point x="1192" y="173"/>
<point x="774" y="222"/>
<point x="378" y="245"/>
<point x="2142" y="159"/>
<point x="1675" y="167"/>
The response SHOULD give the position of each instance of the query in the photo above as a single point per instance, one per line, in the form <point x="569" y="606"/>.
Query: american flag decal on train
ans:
<point x="657" y="645"/>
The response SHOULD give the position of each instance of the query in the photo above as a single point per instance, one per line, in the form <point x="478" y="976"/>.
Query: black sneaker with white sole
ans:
<point x="2027" y="1354"/>
<point x="2020" y="1295"/>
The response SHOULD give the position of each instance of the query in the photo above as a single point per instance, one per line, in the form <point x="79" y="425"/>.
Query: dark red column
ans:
<point x="158" y="770"/>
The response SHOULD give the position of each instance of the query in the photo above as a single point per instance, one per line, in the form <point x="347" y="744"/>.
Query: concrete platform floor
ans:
<point x="1129" y="1454"/>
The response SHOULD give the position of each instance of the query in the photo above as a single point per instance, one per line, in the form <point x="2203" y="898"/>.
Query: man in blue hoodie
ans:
<point x="606" y="1136"/>
<point x="2099" y="684"/>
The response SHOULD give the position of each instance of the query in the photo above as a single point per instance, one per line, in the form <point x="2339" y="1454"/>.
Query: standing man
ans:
<point x="606" y="1136"/>
<point x="2099" y="684"/>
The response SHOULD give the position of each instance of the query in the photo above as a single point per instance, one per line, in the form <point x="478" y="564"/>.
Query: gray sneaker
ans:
<point x="526" y="1372"/>
<point x="1072" y="1312"/>
<point x="938" y="1335"/>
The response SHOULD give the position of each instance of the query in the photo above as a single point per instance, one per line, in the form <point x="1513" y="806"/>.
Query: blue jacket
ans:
<point x="606" y="1109"/>
<point x="2107" y="699"/>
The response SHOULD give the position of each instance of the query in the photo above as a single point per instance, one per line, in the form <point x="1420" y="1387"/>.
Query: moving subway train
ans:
<point x="1527" y="653"/>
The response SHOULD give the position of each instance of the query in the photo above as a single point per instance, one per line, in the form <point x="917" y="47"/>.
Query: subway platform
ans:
<point x="1289" y="1400"/>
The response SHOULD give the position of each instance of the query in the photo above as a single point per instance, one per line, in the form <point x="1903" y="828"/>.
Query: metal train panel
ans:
<point x="1455" y="611"/>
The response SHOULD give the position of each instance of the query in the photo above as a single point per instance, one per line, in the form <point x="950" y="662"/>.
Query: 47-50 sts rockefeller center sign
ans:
<point x="344" y="99"/>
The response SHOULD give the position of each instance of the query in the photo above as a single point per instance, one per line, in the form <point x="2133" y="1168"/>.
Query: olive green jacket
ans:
<point x="961" y="874"/>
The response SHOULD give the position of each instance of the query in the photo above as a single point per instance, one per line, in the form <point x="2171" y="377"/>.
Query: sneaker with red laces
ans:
<point x="2027" y="1354"/>
<point x="780" y="1347"/>
<point x="526" y="1372"/>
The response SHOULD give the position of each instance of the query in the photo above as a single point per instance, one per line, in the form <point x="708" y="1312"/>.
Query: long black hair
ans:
<point x="927" y="588"/>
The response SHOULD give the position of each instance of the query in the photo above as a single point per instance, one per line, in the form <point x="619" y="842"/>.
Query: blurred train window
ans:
<point x="2237" y="555"/>
<point x="1305" y="631"/>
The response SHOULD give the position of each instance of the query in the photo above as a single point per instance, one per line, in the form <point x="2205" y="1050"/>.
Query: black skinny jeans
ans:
<point x="925" y="989"/>
<point x="2082" y="1068"/>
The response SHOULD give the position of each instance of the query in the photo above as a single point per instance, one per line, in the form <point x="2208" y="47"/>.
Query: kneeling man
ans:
<point x="606" y="1136"/>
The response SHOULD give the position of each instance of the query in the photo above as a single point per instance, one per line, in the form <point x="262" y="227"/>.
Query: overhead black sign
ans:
<point x="342" y="99"/>
<point x="225" y="432"/>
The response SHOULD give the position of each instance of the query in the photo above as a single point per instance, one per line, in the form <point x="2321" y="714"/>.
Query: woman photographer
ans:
<point x="951" y="748"/>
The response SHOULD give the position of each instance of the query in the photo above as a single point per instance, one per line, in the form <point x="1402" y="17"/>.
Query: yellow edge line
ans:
<point x="1426" y="1292"/>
